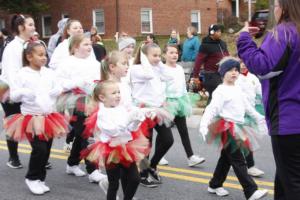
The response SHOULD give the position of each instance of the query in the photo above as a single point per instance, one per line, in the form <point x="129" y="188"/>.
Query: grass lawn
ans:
<point x="162" y="40"/>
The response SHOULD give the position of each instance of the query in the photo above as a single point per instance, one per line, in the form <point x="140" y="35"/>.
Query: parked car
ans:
<point x="260" y="20"/>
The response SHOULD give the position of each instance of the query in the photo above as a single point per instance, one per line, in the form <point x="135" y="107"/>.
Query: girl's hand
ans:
<point x="250" y="29"/>
<point x="204" y="132"/>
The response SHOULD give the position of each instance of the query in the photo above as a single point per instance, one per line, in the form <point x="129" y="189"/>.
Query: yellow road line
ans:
<point x="162" y="173"/>
<point x="174" y="169"/>
<point x="203" y="180"/>
<point x="168" y="168"/>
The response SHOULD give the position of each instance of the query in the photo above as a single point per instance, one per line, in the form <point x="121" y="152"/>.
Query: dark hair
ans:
<point x="290" y="12"/>
<point x="16" y="21"/>
<point x="68" y="25"/>
<point x="29" y="47"/>
<point x="145" y="50"/>
<point x="5" y="32"/>
<point x="152" y="36"/>
<point x="170" y="45"/>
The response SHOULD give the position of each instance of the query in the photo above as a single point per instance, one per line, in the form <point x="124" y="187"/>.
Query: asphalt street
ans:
<point x="180" y="182"/>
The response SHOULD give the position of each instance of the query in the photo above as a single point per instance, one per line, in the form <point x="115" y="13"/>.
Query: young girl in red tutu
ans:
<point x="36" y="89"/>
<point x="223" y="122"/>
<point x="120" y="142"/>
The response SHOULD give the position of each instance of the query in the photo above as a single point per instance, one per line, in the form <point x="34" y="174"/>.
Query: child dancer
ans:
<point x="148" y="90"/>
<point x="77" y="75"/>
<point x="178" y="102"/>
<point x="119" y="144"/>
<point x="251" y="88"/>
<point x="36" y="88"/>
<point x="127" y="45"/>
<point x="23" y="27"/>
<point x="223" y="120"/>
<point x="61" y="52"/>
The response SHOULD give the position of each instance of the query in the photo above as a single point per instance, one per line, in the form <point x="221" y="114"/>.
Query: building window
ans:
<point x="46" y="26"/>
<point x="146" y="21"/>
<point x="2" y="23"/>
<point x="98" y="20"/>
<point x="196" y="20"/>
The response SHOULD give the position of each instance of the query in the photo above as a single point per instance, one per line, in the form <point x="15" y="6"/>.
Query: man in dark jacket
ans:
<point x="211" y="51"/>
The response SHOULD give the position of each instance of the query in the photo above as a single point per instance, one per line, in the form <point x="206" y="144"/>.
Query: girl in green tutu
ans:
<point x="178" y="101"/>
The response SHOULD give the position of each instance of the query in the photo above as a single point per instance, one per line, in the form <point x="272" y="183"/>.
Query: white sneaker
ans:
<point x="163" y="161"/>
<point x="103" y="184"/>
<point x="96" y="176"/>
<point x="258" y="194"/>
<point x="221" y="192"/>
<point x="75" y="170"/>
<point x="44" y="186"/>
<point x="34" y="186"/>
<point x="255" y="172"/>
<point x="68" y="147"/>
<point x="195" y="160"/>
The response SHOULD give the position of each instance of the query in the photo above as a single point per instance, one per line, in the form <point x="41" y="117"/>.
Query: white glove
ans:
<point x="262" y="127"/>
<point x="56" y="91"/>
<point x="79" y="83"/>
<point x="149" y="113"/>
<point x="136" y="115"/>
<point x="204" y="132"/>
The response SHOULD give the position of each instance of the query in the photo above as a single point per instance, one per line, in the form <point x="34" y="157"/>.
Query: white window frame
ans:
<point x="2" y="23"/>
<point x="150" y="18"/>
<point x="94" y="20"/>
<point x="198" y="18"/>
<point x="43" y="26"/>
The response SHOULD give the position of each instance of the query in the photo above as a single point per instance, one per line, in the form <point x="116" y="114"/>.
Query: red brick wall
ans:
<point x="166" y="14"/>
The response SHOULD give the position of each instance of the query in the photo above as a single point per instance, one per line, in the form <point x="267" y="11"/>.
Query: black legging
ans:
<point x="10" y="109"/>
<point x="184" y="135"/>
<point x="38" y="159"/>
<point x="79" y="144"/>
<point x="211" y="82"/>
<point x="130" y="180"/>
<point x="163" y="143"/>
<point x="235" y="159"/>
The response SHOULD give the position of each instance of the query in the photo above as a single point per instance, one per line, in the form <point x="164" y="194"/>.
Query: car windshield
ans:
<point x="260" y="16"/>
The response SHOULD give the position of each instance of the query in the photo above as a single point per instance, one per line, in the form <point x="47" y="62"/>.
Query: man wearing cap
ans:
<point x="211" y="51"/>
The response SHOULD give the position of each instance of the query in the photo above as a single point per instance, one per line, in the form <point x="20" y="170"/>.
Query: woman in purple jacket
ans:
<point x="277" y="62"/>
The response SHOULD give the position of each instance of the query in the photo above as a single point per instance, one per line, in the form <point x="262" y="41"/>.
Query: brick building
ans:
<point x="136" y="17"/>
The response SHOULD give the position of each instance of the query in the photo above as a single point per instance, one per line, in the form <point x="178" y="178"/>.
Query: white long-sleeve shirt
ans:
<point x="41" y="84"/>
<point x="229" y="103"/>
<point x="12" y="59"/>
<point x="176" y="86"/>
<point x="115" y="124"/>
<point x="61" y="53"/>
<point x="77" y="72"/>
<point x="147" y="85"/>
<point x="125" y="92"/>
<point x="250" y="86"/>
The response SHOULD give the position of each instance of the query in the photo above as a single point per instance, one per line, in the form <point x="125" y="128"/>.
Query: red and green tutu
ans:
<point x="240" y="136"/>
<point x="107" y="155"/>
<point x="20" y="127"/>
<point x="75" y="101"/>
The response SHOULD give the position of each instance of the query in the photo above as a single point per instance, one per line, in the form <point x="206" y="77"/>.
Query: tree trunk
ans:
<point x="271" y="20"/>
